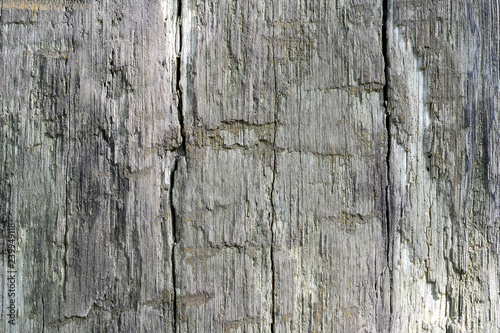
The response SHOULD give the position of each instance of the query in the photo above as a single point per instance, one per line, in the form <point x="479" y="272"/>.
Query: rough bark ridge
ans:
<point x="261" y="166"/>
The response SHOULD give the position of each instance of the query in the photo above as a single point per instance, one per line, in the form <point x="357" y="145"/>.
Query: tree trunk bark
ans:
<point x="261" y="166"/>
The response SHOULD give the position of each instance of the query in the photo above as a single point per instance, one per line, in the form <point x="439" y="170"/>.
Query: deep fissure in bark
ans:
<point x="43" y="315"/>
<point x="385" y="53"/>
<point x="273" y="210"/>
<point x="385" y="47"/>
<point x="1" y="21"/>
<point x="273" y="216"/>
<point x="181" y="151"/>
<point x="182" y="148"/>
<point x="174" y="234"/>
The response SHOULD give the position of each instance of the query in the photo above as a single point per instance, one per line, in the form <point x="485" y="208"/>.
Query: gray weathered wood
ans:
<point x="89" y="120"/>
<point x="443" y="100"/>
<point x="260" y="166"/>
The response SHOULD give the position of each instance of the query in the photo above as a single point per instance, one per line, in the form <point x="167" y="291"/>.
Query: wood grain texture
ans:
<point x="261" y="166"/>
<point x="89" y="123"/>
<point x="285" y="126"/>
<point x="443" y="98"/>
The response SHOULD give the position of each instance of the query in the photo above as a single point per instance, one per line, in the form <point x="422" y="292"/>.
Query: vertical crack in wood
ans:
<point x="174" y="238"/>
<point x="385" y="53"/>
<point x="181" y="151"/>
<point x="178" y="87"/>
<point x="43" y="315"/>
<point x="67" y="192"/>
<point x="273" y="210"/>
<point x="273" y="218"/>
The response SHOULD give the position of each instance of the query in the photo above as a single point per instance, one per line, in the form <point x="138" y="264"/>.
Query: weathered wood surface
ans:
<point x="89" y="122"/>
<point x="261" y="166"/>
<point x="444" y="160"/>
<point x="282" y="204"/>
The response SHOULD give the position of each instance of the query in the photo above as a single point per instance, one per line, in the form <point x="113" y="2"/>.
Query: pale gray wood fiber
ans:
<point x="284" y="102"/>
<point x="89" y="120"/>
<point x="259" y="166"/>
<point x="443" y="100"/>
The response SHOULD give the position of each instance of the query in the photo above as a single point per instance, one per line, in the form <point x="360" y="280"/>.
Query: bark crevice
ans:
<point x="180" y="152"/>
<point x="273" y="210"/>
<point x="385" y="53"/>
<point x="386" y="96"/>
<point x="1" y="21"/>
<point x="43" y="316"/>
<point x="182" y="149"/>
<point x="174" y="238"/>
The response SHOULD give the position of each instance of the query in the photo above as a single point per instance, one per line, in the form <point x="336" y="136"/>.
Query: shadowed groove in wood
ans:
<point x="385" y="52"/>
<point x="181" y="151"/>
<point x="273" y="210"/>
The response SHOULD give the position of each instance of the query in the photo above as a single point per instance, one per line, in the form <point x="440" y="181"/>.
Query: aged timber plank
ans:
<point x="330" y="188"/>
<point x="89" y="120"/>
<point x="301" y="86"/>
<point x="223" y="187"/>
<point x="443" y="100"/>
